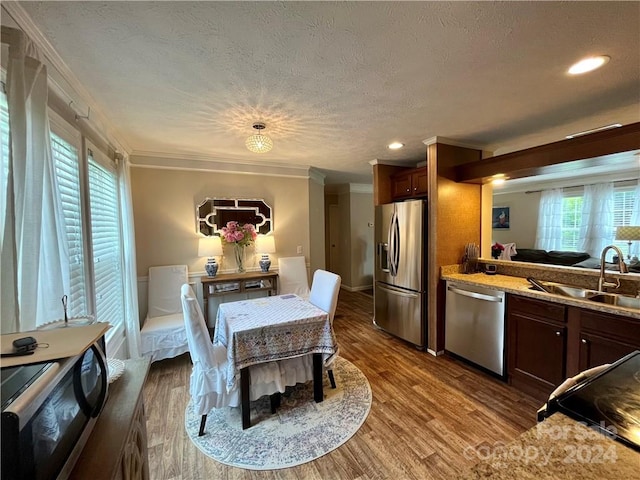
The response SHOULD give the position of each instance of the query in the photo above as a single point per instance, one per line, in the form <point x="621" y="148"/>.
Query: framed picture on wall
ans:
<point x="500" y="218"/>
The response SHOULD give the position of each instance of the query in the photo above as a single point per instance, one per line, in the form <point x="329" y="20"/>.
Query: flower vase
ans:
<point x="238" y="250"/>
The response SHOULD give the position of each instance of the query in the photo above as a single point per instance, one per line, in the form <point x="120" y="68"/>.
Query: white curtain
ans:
<point x="597" y="230"/>
<point x="130" y="276"/>
<point x="549" y="233"/>
<point x="32" y="250"/>
<point x="635" y="220"/>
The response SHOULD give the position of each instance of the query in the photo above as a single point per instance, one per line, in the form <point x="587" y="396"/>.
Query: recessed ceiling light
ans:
<point x="593" y="130"/>
<point x="588" y="64"/>
<point x="395" y="145"/>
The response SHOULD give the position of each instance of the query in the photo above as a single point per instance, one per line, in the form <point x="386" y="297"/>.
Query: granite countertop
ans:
<point x="520" y="286"/>
<point x="558" y="448"/>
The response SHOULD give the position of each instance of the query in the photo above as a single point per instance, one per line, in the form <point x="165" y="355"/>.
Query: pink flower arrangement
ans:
<point x="241" y="235"/>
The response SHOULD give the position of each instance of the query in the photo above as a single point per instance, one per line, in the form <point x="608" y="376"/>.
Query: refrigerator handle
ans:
<point x="390" y="244"/>
<point x="394" y="244"/>
<point x="397" y="291"/>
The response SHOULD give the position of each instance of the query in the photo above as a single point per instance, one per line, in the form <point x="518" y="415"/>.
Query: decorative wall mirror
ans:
<point x="214" y="213"/>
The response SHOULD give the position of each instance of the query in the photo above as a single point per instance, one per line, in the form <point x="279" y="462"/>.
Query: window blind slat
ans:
<point x="106" y="241"/>
<point x="67" y="170"/>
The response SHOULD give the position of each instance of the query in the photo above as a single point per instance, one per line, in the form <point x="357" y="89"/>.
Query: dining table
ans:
<point x="268" y="329"/>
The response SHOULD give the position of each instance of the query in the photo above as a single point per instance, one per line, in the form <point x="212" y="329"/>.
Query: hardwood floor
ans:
<point x="426" y="410"/>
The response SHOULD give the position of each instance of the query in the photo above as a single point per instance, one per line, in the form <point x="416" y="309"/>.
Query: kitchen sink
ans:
<point x="572" y="291"/>
<point x="566" y="290"/>
<point x="617" y="300"/>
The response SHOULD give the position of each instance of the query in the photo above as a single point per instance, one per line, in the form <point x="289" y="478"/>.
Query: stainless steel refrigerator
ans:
<point x="399" y="291"/>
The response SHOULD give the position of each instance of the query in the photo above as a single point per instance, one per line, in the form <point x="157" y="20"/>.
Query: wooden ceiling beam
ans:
<point x="536" y="160"/>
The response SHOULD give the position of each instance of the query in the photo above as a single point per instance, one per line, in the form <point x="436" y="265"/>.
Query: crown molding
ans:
<point x="394" y="163"/>
<point x="316" y="176"/>
<point x="199" y="163"/>
<point x="76" y="94"/>
<point x="452" y="142"/>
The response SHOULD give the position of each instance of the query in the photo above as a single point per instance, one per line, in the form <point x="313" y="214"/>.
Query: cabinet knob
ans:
<point x="558" y="333"/>
<point x="584" y="340"/>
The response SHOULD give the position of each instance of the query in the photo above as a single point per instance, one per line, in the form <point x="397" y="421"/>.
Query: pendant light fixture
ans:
<point x="257" y="142"/>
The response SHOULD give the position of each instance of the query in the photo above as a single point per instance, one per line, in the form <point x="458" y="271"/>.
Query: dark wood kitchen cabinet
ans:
<point x="548" y="342"/>
<point x="604" y="338"/>
<point x="409" y="184"/>
<point x="537" y="345"/>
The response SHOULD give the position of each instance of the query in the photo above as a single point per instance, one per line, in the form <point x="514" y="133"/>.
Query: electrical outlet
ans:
<point x="299" y="249"/>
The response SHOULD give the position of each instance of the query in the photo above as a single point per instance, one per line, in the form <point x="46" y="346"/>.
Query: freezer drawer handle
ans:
<point x="478" y="296"/>
<point x="398" y="292"/>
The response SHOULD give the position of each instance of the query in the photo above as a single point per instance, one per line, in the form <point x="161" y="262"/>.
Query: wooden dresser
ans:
<point x="117" y="447"/>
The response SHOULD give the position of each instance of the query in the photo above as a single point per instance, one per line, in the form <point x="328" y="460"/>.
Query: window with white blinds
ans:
<point x="67" y="172"/>
<point x="106" y="241"/>
<point x="4" y="155"/>
<point x="623" y="201"/>
<point x="571" y="222"/>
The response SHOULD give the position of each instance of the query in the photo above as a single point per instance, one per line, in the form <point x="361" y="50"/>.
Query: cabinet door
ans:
<point x="604" y="338"/>
<point x="596" y="350"/>
<point x="401" y="186"/>
<point x="536" y="354"/>
<point x="419" y="182"/>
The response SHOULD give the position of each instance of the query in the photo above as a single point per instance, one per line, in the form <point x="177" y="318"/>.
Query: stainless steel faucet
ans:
<point x="602" y="283"/>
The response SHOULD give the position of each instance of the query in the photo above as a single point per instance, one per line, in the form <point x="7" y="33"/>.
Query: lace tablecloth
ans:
<point x="271" y="328"/>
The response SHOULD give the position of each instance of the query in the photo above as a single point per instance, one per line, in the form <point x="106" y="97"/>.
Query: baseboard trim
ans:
<point x="357" y="289"/>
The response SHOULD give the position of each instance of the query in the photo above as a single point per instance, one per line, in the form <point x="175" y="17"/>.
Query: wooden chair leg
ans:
<point x="275" y="401"/>
<point x="331" y="379"/>
<point x="203" y="421"/>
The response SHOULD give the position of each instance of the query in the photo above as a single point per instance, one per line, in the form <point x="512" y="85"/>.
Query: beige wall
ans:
<point x="362" y="258"/>
<point x="344" y="210"/>
<point x="356" y="212"/>
<point x="316" y="256"/>
<point x="523" y="221"/>
<point x="164" y="203"/>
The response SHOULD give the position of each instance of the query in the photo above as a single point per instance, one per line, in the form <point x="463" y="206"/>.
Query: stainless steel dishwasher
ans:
<point x="474" y="325"/>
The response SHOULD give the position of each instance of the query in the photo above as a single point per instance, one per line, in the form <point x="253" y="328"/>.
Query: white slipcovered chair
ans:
<point x="163" y="334"/>
<point x="292" y="276"/>
<point x="325" y="289"/>
<point x="208" y="384"/>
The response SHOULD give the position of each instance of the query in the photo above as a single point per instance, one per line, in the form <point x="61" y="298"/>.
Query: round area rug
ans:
<point x="301" y="430"/>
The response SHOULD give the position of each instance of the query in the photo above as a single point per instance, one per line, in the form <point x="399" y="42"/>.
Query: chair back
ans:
<point x="292" y="276"/>
<point x="201" y="348"/>
<point x="324" y="291"/>
<point x="164" y="289"/>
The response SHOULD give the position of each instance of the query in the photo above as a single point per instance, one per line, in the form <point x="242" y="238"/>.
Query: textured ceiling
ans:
<point x="336" y="82"/>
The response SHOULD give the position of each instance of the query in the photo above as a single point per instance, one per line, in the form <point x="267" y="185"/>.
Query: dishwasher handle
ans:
<point x="478" y="296"/>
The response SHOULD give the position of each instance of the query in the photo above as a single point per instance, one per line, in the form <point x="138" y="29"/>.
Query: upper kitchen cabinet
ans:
<point x="409" y="184"/>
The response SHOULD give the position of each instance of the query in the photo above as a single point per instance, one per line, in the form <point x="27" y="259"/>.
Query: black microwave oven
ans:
<point x="48" y="412"/>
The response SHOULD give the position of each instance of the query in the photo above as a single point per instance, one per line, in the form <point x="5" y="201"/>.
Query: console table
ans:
<point x="228" y="283"/>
